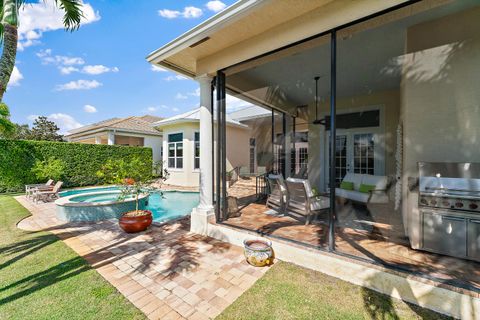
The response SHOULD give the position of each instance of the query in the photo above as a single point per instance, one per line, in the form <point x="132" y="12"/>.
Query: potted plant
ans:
<point x="134" y="180"/>
<point x="139" y="219"/>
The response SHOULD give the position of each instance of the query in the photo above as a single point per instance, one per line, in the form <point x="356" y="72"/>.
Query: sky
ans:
<point x="99" y="71"/>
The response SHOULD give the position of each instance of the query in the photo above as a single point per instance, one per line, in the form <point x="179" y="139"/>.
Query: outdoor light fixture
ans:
<point x="317" y="121"/>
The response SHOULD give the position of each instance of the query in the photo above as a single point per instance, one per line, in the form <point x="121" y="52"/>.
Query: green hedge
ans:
<point x="82" y="161"/>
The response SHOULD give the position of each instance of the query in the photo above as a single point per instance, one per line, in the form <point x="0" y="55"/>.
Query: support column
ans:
<point x="288" y="145"/>
<point x="98" y="140"/>
<point x="111" y="138"/>
<point x="202" y="214"/>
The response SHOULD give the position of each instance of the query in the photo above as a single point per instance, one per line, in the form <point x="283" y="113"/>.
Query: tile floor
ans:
<point x="167" y="272"/>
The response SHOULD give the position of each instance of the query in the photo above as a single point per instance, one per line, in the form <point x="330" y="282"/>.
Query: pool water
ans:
<point x="172" y="205"/>
<point x="87" y="190"/>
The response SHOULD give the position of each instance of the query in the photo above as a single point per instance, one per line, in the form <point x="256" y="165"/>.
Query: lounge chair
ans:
<point x="30" y="188"/>
<point x="302" y="202"/>
<point x="277" y="196"/>
<point x="47" y="195"/>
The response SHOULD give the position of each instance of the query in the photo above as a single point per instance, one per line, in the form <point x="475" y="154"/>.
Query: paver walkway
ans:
<point x="167" y="272"/>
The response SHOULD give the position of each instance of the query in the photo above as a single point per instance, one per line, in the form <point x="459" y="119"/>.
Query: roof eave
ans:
<point x="201" y="31"/>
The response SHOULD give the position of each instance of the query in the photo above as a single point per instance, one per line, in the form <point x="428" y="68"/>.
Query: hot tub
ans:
<point x="96" y="206"/>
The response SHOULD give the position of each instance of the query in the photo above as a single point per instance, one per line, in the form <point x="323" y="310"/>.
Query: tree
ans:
<point x="9" y="32"/>
<point x="44" y="129"/>
<point x="6" y="127"/>
<point x="22" y="132"/>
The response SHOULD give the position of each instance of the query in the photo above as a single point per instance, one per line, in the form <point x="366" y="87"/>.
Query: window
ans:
<point x="175" y="150"/>
<point x="196" y="152"/>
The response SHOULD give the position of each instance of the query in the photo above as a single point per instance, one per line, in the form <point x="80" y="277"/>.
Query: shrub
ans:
<point x="50" y="168"/>
<point x="81" y="161"/>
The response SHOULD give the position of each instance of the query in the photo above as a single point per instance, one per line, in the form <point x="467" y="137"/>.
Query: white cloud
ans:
<point x="64" y="121"/>
<point x="47" y="58"/>
<point x="42" y="16"/>
<point x="79" y="85"/>
<point x="175" y="109"/>
<point x="88" y="108"/>
<point x="188" y="13"/>
<point x="15" y="77"/>
<point x="153" y="109"/>
<point x="216" y="5"/>
<point x="155" y="68"/>
<point x="98" y="69"/>
<point x="180" y="96"/>
<point x="68" y="70"/>
<point x="176" y="77"/>
<point x="192" y="12"/>
<point x="169" y="14"/>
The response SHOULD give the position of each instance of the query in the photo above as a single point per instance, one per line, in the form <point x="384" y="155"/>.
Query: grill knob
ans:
<point x="423" y="201"/>
<point x="473" y="206"/>
<point x="446" y="203"/>
<point x="433" y="202"/>
<point x="458" y="204"/>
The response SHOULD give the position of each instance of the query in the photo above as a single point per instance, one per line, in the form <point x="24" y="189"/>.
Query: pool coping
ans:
<point x="66" y="201"/>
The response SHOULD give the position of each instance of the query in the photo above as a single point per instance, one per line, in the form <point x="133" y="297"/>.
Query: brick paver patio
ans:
<point x="167" y="272"/>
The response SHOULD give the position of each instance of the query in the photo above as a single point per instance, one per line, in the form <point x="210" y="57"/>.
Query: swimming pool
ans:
<point x="102" y="203"/>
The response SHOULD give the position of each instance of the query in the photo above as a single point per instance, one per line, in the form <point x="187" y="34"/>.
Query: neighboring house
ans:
<point x="387" y="93"/>
<point x="181" y="143"/>
<point x="130" y="131"/>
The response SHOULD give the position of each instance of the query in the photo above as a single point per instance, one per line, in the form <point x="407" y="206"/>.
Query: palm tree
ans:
<point x="9" y="31"/>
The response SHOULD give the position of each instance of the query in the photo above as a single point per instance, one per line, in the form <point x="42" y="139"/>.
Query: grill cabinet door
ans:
<point x="474" y="239"/>
<point x="444" y="234"/>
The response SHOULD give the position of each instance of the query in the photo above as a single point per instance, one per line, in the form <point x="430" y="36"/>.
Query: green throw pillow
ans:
<point x="366" y="188"/>
<point x="346" y="185"/>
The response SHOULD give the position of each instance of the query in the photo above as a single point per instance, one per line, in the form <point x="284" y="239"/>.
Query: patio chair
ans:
<point x="47" y="195"/>
<point x="277" y="195"/>
<point x="301" y="200"/>
<point x="30" y="188"/>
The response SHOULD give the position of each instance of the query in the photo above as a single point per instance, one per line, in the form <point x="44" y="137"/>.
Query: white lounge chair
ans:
<point x="302" y="201"/>
<point x="47" y="195"/>
<point x="30" y="188"/>
<point x="277" y="196"/>
<point x="376" y="195"/>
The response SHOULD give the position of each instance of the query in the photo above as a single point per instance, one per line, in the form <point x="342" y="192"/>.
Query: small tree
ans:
<point x="133" y="176"/>
<point x="50" y="168"/>
<point x="6" y="127"/>
<point x="44" y="129"/>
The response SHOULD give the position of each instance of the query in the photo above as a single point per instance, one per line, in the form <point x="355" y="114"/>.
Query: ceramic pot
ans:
<point x="132" y="224"/>
<point x="258" y="252"/>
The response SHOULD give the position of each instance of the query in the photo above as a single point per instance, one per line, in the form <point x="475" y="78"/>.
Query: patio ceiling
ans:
<point x="367" y="62"/>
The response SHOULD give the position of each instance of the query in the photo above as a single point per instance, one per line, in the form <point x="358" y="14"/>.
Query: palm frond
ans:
<point x="73" y="13"/>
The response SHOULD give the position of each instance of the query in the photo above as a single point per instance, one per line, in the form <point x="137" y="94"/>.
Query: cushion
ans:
<point x="366" y="188"/>
<point x="320" y="203"/>
<point x="355" y="178"/>
<point x="308" y="188"/>
<point x="380" y="182"/>
<point x="352" y="195"/>
<point x="347" y="185"/>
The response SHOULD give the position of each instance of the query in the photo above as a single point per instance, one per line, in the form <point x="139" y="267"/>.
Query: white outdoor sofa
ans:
<point x="377" y="195"/>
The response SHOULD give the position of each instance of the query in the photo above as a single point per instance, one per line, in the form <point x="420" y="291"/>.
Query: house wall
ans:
<point x="156" y="144"/>
<point x="388" y="100"/>
<point x="187" y="176"/>
<point x="440" y="97"/>
<point x="129" y="141"/>
<point x="237" y="151"/>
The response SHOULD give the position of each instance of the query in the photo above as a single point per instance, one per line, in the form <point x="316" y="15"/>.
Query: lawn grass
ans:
<point x="291" y="292"/>
<point x="42" y="278"/>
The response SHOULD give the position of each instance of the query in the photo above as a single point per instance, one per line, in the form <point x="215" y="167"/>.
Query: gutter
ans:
<point x="199" y="32"/>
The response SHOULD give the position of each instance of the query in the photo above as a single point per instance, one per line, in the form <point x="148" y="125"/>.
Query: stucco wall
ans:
<point x="237" y="151"/>
<point x="440" y="98"/>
